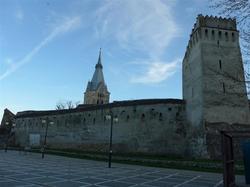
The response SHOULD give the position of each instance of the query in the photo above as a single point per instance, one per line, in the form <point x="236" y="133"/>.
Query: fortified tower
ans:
<point x="213" y="77"/>
<point x="97" y="92"/>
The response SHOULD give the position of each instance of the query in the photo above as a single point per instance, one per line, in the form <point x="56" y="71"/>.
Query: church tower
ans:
<point x="97" y="91"/>
<point x="213" y="76"/>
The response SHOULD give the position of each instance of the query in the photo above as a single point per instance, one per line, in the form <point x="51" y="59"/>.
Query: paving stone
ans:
<point x="30" y="185"/>
<point x="68" y="177"/>
<point x="160" y="184"/>
<point x="4" y="179"/>
<point x="91" y="180"/>
<point x="7" y="173"/>
<point x="24" y="176"/>
<point x="32" y="170"/>
<point x="147" y="177"/>
<point x="49" y="174"/>
<point x="43" y="180"/>
<point x="173" y="180"/>
<point x="109" y="177"/>
<point x="11" y="183"/>
<point x="115" y="184"/>
<point x="142" y="185"/>
<point x="67" y="184"/>
<point x="134" y="180"/>
<point x="201" y="184"/>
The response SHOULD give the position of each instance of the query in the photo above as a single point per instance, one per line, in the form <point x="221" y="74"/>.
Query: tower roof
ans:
<point x="99" y="63"/>
<point x="98" y="77"/>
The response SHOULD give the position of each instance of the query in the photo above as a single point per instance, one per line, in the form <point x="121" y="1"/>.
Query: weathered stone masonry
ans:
<point x="148" y="126"/>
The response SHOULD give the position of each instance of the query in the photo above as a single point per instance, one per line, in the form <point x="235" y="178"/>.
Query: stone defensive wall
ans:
<point x="151" y="126"/>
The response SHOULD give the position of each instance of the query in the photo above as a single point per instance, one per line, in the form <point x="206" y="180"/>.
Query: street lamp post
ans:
<point x="45" y="137"/>
<point x="112" y="119"/>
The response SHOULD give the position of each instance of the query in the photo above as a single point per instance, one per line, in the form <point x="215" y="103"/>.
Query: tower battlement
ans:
<point x="215" y="22"/>
<point x="212" y="29"/>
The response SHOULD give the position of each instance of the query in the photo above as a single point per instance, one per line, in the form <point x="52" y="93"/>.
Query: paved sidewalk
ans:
<point x="31" y="170"/>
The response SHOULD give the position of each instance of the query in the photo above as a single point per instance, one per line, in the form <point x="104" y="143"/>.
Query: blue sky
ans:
<point x="48" y="49"/>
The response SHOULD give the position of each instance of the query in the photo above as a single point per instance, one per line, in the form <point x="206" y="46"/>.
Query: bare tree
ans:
<point x="239" y="9"/>
<point x="66" y="105"/>
<point x="70" y="104"/>
<point x="60" y="106"/>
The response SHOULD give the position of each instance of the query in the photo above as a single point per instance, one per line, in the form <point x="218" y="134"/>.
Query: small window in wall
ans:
<point x="169" y="109"/>
<point x="143" y="116"/>
<point x="84" y="120"/>
<point x="218" y="43"/>
<point x="232" y="36"/>
<point x="104" y="118"/>
<point x="97" y="102"/>
<point x="220" y="64"/>
<point x="127" y="117"/>
<point x="213" y="35"/>
<point x="224" y="89"/>
<point x="226" y="34"/>
<point x="206" y="32"/>
<point x="219" y="34"/>
<point x="160" y="117"/>
<point x="94" y="121"/>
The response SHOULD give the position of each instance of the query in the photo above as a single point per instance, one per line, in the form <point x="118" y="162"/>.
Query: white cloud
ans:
<point x="141" y="25"/>
<point x="145" y="27"/>
<point x="157" y="72"/>
<point x="65" y="26"/>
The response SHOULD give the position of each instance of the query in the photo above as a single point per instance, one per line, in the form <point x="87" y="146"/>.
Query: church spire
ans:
<point x="99" y="63"/>
<point x="97" y="91"/>
<point x="98" y="74"/>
